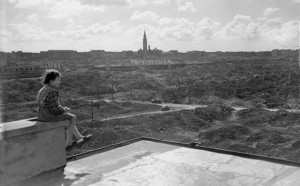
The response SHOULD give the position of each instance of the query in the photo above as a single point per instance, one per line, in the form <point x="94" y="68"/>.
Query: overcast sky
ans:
<point x="117" y="25"/>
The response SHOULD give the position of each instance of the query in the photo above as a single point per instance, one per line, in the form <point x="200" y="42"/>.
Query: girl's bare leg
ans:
<point x="72" y="130"/>
<point x="69" y="137"/>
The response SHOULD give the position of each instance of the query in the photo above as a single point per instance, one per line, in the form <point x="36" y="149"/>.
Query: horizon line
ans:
<point x="152" y="49"/>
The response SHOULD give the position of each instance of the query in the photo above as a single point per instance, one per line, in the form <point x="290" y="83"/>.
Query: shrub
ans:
<point x="276" y="138"/>
<point x="296" y="145"/>
<point x="213" y="112"/>
<point x="225" y="133"/>
<point x="242" y="148"/>
<point x="256" y="137"/>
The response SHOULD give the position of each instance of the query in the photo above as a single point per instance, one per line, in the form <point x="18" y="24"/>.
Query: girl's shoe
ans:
<point x="78" y="143"/>
<point x="87" y="137"/>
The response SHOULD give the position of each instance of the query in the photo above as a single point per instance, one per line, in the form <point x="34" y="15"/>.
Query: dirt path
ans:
<point x="179" y="107"/>
<point x="173" y="108"/>
<point x="143" y="113"/>
<point x="191" y="107"/>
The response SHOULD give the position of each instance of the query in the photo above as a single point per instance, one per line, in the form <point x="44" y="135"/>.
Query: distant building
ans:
<point x="288" y="54"/>
<point x="97" y="53"/>
<point x="32" y="69"/>
<point x="276" y="53"/>
<point x="284" y="53"/>
<point x="174" y="51"/>
<point x="3" y="58"/>
<point x="147" y="62"/>
<point x="58" y="54"/>
<point x="264" y="54"/>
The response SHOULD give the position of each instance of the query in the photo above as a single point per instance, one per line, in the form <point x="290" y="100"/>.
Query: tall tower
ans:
<point x="145" y="43"/>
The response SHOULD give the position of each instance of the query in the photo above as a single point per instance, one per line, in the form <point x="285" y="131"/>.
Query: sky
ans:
<point x="118" y="25"/>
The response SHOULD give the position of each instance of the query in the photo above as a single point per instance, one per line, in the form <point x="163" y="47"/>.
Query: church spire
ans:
<point x="145" y="43"/>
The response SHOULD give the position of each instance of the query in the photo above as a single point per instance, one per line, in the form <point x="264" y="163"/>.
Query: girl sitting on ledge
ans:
<point x="50" y="110"/>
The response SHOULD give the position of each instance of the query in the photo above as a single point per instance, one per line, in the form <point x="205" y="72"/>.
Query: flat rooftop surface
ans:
<point x="151" y="163"/>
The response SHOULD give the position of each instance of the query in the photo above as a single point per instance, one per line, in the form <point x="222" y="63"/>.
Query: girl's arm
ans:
<point x="53" y="103"/>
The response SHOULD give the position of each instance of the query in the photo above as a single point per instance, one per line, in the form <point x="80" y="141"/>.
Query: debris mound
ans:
<point x="217" y="135"/>
<point x="213" y="112"/>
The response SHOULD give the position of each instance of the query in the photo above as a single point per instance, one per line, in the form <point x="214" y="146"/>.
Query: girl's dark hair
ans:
<point x="49" y="75"/>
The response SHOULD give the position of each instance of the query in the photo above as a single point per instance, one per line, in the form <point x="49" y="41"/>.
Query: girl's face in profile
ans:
<point x="56" y="82"/>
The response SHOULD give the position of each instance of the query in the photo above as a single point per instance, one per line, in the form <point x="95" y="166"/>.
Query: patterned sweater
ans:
<point x="48" y="104"/>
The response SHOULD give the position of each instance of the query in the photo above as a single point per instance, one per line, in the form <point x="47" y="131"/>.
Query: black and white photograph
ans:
<point x="149" y="93"/>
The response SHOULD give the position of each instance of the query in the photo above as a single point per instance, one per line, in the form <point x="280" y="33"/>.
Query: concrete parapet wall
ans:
<point x="30" y="148"/>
